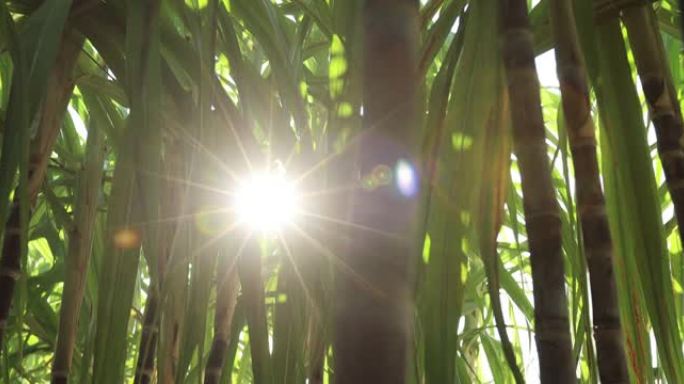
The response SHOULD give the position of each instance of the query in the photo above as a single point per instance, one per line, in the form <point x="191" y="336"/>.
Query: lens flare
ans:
<point x="267" y="201"/>
<point x="127" y="238"/>
<point x="406" y="178"/>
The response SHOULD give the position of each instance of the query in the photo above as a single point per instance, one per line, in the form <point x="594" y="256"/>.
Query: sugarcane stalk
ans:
<point x="664" y="110"/>
<point x="144" y="367"/>
<point x="651" y="64"/>
<point x="80" y="247"/>
<point x="10" y="266"/>
<point x="249" y="271"/>
<point x="681" y="19"/>
<point x="542" y="215"/>
<point x="317" y="306"/>
<point x="596" y="237"/>
<point x="59" y="88"/>
<point x="172" y="263"/>
<point x="316" y="349"/>
<point x="150" y="332"/>
<point x="227" y="290"/>
<point x="493" y="191"/>
<point x="374" y="308"/>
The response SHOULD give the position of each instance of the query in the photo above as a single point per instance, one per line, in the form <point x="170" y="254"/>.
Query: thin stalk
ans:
<point x="316" y="350"/>
<point x="491" y="211"/>
<point x="144" y="367"/>
<point x="318" y="309"/>
<point x="173" y="268"/>
<point x="664" y="111"/>
<point x="59" y="89"/>
<point x="597" y="240"/>
<point x="665" y="114"/>
<point x="150" y="334"/>
<point x="303" y="270"/>
<point x="80" y="247"/>
<point x="681" y="19"/>
<point x="227" y="289"/>
<point x="10" y="264"/>
<point x="542" y="216"/>
<point x="237" y="326"/>
<point x="249" y="270"/>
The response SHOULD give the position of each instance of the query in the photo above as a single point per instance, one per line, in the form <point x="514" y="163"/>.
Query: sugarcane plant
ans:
<point x="596" y="237"/>
<point x="552" y="325"/>
<point x="352" y="191"/>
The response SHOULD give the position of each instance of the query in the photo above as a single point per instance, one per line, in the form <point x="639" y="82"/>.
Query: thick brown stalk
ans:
<point x="542" y="216"/>
<point x="80" y="246"/>
<point x="597" y="242"/>
<point x="226" y="300"/>
<point x="144" y="368"/>
<point x="59" y="88"/>
<point x="374" y="303"/>
<point x="664" y="111"/>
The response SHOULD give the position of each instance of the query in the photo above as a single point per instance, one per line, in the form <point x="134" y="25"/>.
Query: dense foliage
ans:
<point x="128" y="126"/>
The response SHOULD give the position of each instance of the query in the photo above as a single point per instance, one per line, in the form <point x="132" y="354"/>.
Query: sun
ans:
<point x="266" y="201"/>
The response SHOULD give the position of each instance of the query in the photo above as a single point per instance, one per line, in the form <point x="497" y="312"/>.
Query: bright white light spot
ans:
<point x="267" y="201"/>
<point x="78" y="123"/>
<point x="406" y="178"/>
<point x="546" y="69"/>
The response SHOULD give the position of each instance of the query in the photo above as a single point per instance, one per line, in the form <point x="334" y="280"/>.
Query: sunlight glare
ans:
<point x="267" y="201"/>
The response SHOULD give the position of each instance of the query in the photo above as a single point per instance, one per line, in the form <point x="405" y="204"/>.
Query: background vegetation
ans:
<point x="125" y="125"/>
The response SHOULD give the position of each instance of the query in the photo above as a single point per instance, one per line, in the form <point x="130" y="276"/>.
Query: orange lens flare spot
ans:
<point x="127" y="238"/>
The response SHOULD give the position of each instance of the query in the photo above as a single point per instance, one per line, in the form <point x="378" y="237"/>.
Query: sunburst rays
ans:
<point x="224" y="218"/>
